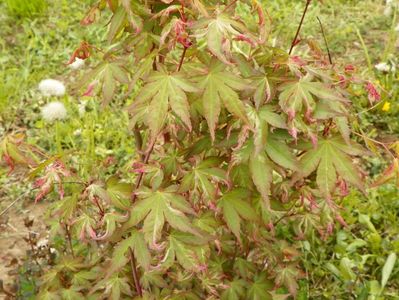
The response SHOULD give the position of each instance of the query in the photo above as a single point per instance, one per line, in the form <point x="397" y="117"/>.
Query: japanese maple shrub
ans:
<point x="235" y="140"/>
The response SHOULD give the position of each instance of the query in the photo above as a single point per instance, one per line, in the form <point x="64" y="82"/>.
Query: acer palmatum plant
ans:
<point x="242" y="149"/>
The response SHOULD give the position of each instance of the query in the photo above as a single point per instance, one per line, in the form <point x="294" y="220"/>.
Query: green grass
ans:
<point x="26" y="8"/>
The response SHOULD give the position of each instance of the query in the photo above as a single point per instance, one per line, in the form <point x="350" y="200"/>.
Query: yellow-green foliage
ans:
<point x="26" y="8"/>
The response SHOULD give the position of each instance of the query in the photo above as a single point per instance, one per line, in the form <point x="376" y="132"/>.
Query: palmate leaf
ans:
<point x="261" y="165"/>
<point x="201" y="177"/>
<point x="235" y="291"/>
<point x="189" y="251"/>
<point x="161" y="92"/>
<point x="220" y="88"/>
<point x="331" y="158"/>
<point x="260" y="288"/>
<point x="235" y="206"/>
<point x="109" y="73"/>
<point x="217" y="31"/>
<point x="261" y="169"/>
<point x="156" y="208"/>
<point x="120" y="256"/>
<point x="295" y="96"/>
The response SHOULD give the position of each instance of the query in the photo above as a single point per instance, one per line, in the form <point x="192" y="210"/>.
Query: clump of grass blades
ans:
<point x="26" y="8"/>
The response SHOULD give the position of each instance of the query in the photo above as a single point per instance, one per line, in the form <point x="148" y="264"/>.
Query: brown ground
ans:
<point x="13" y="247"/>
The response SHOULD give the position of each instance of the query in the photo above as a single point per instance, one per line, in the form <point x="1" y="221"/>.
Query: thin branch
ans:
<point x="68" y="232"/>
<point x="134" y="273"/>
<point x="228" y="6"/>
<point x="294" y="41"/>
<point x="384" y="145"/>
<point x="288" y="213"/>
<point x="325" y="41"/>
<point x="145" y="161"/>
<point x="182" y="59"/>
<point x="15" y="201"/>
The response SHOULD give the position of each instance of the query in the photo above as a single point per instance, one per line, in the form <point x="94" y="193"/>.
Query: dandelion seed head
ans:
<point x="51" y="87"/>
<point x="54" y="111"/>
<point x="77" y="64"/>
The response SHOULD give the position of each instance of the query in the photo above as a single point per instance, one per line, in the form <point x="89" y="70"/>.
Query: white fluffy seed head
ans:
<point x="383" y="67"/>
<point x="54" y="111"/>
<point x="77" y="64"/>
<point x="51" y="87"/>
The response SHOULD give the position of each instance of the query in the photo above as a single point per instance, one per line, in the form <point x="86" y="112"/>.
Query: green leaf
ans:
<point x="203" y="178"/>
<point x="108" y="86"/>
<point x="71" y="294"/>
<point x="326" y="175"/>
<point x="119" y="193"/>
<point x="157" y="207"/>
<point x="262" y="174"/>
<point x="259" y="289"/>
<point x="220" y="88"/>
<point x="121" y="256"/>
<point x="235" y="291"/>
<point x="281" y="154"/>
<point x="161" y="92"/>
<point x="216" y="32"/>
<point x="329" y="159"/>
<point x="387" y="269"/>
<point x="117" y="21"/>
<point x="345" y="266"/>
<point x="297" y="95"/>
<point x="235" y="207"/>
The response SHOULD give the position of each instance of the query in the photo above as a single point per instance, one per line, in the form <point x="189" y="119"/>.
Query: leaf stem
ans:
<point x="58" y="137"/>
<point x="366" y="52"/>
<point x="182" y="59"/>
<point x="228" y="6"/>
<point x="134" y="273"/>
<point x="294" y="41"/>
<point x="325" y="41"/>
<point x="68" y="233"/>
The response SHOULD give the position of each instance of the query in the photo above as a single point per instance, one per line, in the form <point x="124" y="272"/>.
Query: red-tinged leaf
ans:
<point x="392" y="172"/>
<point x="220" y="88"/>
<point x="300" y="96"/>
<point x="218" y="32"/>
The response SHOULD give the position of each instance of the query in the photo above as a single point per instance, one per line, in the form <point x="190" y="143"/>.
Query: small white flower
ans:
<point x="383" y="67"/>
<point x="77" y="64"/>
<point x="82" y="108"/>
<point x="77" y="132"/>
<point x="54" y="111"/>
<point x="51" y="87"/>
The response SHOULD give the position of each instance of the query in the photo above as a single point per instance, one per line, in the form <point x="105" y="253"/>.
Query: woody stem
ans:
<point x="294" y="41"/>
